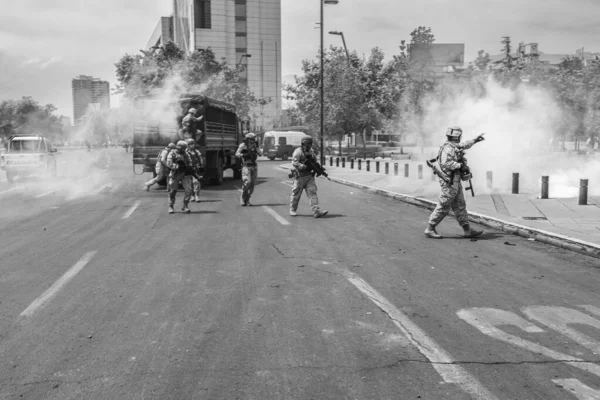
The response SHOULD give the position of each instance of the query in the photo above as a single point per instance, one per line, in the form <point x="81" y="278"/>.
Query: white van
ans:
<point x="281" y="144"/>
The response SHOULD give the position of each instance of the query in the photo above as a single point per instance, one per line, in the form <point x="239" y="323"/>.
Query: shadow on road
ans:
<point x="268" y="205"/>
<point x="484" y="236"/>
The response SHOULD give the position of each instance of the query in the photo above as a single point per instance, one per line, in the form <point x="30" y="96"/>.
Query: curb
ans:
<point x="554" y="239"/>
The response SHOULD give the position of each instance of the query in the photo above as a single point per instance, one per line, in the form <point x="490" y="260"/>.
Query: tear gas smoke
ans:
<point x="518" y="125"/>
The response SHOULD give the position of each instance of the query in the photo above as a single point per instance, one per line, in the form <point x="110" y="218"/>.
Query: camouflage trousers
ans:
<point x="249" y="177"/>
<point x="452" y="198"/>
<point x="196" y="186"/>
<point x="186" y="182"/>
<point x="161" y="173"/>
<point x="308" y="184"/>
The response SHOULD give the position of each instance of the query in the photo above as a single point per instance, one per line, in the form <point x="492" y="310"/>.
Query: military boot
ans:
<point x="320" y="213"/>
<point x="248" y="201"/>
<point x="470" y="232"/>
<point x="243" y="201"/>
<point x="431" y="233"/>
<point x="185" y="208"/>
<point x="171" y="210"/>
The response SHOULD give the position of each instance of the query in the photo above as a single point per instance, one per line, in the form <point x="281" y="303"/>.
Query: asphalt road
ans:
<point x="104" y="295"/>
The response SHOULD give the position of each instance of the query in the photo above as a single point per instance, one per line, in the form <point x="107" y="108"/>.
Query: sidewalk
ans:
<point x="557" y="221"/>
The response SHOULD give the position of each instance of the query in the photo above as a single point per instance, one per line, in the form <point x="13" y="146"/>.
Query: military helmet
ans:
<point x="454" y="132"/>
<point x="192" y="110"/>
<point x="306" y="140"/>
<point x="251" y="136"/>
<point x="190" y="141"/>
<point x="182" y="144"/>
<point x="172" y="146"/>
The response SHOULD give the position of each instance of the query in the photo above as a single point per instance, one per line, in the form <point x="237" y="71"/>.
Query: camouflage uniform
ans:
<point x="197" y="163"/>
<point x="178" y="161"/>
<point x="249" y="168"/>
<point x="162" y="171"/>
<point x="452" y="195"/>
<point x="304" y="180"/>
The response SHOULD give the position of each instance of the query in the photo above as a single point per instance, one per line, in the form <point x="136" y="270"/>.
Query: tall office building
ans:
<point x="88" y="90"/>
<point x="246" y="32"/>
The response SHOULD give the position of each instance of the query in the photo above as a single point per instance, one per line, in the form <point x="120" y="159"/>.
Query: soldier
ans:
<point x="452" y="164"/>
<point x="179" y="162"/>
<point x="197" y="164"/>
<point x="189" y="124"/>
<point x="248" y="152"/>
<point x="162" y="171"/>
<point x="304" y="178"/>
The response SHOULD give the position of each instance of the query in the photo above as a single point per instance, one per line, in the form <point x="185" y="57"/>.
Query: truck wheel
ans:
<point x="284" y="157"/>
<point x="271" y="158"/>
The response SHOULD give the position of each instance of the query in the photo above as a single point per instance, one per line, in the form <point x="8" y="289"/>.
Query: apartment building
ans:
<point x="246" y="32"/>
<point x="88" y="90"/>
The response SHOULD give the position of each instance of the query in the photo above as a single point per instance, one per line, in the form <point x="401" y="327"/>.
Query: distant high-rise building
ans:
<point x="242" y="32"/>
<point x="88" y="90"/>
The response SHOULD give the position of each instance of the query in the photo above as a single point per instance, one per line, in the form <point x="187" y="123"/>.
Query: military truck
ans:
<point x="160" y="124"/>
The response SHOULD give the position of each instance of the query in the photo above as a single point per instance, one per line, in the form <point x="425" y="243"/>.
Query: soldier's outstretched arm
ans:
<point x="241" y="147"/>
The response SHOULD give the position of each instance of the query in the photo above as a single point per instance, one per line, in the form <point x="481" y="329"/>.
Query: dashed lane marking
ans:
<point x="58" y="285"/>
<point x="45" y="194"/>
<point x="440" y="360"/>
<point x="287" y="184"/>
<point x="9" y="190"/>
<point x="131" y="210"/>
<point x="278" y="217"/>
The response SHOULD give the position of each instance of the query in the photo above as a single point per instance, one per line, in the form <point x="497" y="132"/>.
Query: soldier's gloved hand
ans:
<point x="175" y="167"/>
<point x="479" y="138"/>
<point x="301" y="167"/>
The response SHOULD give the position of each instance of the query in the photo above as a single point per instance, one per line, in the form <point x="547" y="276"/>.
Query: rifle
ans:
<point x="315" y="167"/>
<point x="465" y="171"/>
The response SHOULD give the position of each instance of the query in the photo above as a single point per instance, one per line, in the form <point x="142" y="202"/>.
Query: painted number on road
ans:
<point x="489" y="320"/>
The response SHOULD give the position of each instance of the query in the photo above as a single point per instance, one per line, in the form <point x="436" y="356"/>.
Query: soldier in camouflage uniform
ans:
<point x="190" y="123"/>
<point x="197" y="164"/>
<point x="304" y="179"/>
<point x="452" y="196"/>
<point x="162" y="171"/>
<point x="179" y="161"/>
<point x="248" y="152"/>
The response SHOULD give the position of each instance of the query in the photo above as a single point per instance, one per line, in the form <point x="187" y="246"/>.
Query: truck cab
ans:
<point x="28" y="154"/>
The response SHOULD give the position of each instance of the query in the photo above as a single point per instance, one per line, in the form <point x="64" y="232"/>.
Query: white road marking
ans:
<point x="97" y="191"/>
<point x="278" y="217"/>
<point x="51" y="292"/>
<point x="287" y="184"/>
<point x="45" y="194"/>
<point x="131" y="210"/>
<point x="440" y="359"/>
<point x="559" y="319"/>
<point x="487" y="321"/>
<point x="9" y="190"/>
<point x="578" y="389"/>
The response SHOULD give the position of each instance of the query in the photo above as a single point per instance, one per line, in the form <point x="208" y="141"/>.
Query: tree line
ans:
<point x="367" y="94"/>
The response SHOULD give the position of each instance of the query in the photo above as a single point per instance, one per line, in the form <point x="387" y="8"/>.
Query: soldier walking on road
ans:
<point x="304" y="178"/>
<point x="180" y="163"/>
<point x="162" y="171"/>
<point x="197" y="165"/>
<point x="452" y="197"/>
<point x="248" y="152"/>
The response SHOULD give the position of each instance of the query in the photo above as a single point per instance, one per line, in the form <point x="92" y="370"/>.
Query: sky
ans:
<point x="44" y="44"/>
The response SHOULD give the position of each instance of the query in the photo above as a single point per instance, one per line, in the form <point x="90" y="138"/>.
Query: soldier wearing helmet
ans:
<point x="248" y="152"/>
<point x="162" y="171"/>
<point x="452" y="197"/>
<point x="304" y="178"/>
<point x="197" y="166"/>
<point x="180" y="163"/>
<point x="190" y="124"/>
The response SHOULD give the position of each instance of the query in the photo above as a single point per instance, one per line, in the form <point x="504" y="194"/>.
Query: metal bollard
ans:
<point x="343" y="162"/>
<point x="368" y="165"/>
<point x="330" y="161"/>
<point x="406" y="170"/>
<point x="545" y="184"/>
<point x="387" y="168"/>
<point x="337" y="161"/>
<point x="396" y="168"/>
<point x="489" y="179"/>
<point x="420" y="171"/>
<point x="359" y="164"/>
<point x="583" y="192"/>
<point x="515" y="183"/>
<point x="377" y="166"/>
<point x="352" y="163"/>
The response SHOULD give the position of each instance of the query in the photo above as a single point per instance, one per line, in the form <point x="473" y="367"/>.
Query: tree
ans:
<point x="482" y="61"/>
<point x="28" y="116"/>
<point x="422" y="35"/>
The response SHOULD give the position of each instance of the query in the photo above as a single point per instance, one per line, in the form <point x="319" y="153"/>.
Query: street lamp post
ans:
<point x="332" y="2"/>
<point x="344" y="41"/>
<point x="242" y="57"/>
